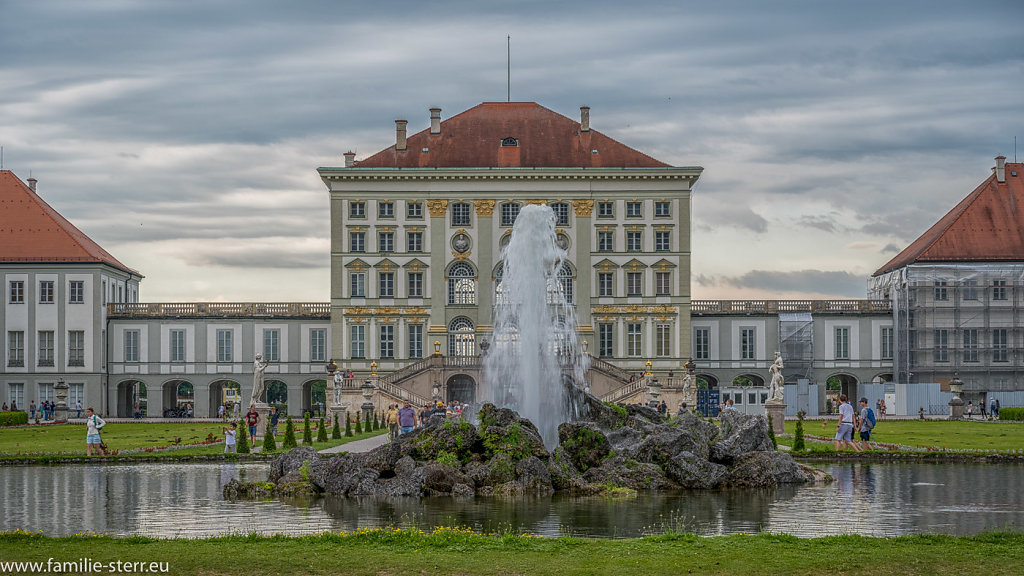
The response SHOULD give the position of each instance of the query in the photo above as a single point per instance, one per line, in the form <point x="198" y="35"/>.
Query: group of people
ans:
<point x="849" y="421"/>
<point x="46" y="409"/>
<point x="405" y="419"/>
<point x="229" y="411"/>
<point x="993" y="409"/>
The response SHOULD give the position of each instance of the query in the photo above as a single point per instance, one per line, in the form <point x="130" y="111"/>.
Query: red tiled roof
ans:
<point x="32" y="231"/>
<point x="546" y="139"/>
<point x="987" y="225"/>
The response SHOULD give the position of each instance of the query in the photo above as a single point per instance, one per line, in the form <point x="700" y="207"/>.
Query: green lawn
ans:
<point x="937" y="433"/>
<point x="454" y="551"/>
<point x="57" y="438"/>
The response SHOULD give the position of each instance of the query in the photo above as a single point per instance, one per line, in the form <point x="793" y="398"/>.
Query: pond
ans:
<point x="176" y="500"/>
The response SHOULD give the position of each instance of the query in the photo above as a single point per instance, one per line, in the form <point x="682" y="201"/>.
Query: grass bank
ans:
<point x="953" y="435"/>
<point x="459" y="551"/>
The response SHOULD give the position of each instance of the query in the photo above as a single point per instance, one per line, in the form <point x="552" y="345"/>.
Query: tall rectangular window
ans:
<point x="634" y="339"/>
<point x="662" y="340"/>
<point x="271" y="344"/>
<point x="385" y="241"/>
<point x="357" y="241"/>
<point x="357" y="341"/>
<point x="509" y="213"/>
<point x="76" y="348"/>
<point x="634" y="283"/>
<point x="76" y="394"/>
<point x="17" y="292"/>
<point x="941" y="290"/>
<point x="999" y="289"/>
<point x="357" y="209"/>
<point x="385" y="209"/>
<point x="131" y="345"/>
<point x="357" y="285"/>
<point x="225" y="345"/>
<point x="702" y="343"/>
<point x="76" y="292"/>
<point x="941" y="346"/>
<point x="605" y="241"/>
<point x="46" y="291"/>
<point x="842" y="343"/>
<point x="663" y="283"/>
<point x="886" y="343"/>
<point x="1000" y="345"/>
<point x="634" y="241"/>
<point x="414" y="210"/>
<point x="561" y="210"/>
<point x="634" y="210"/>
<point x="415" y="284"/>
<point x="415" y="340"/>
<point x="605" y="284"/>
<point x="662" y="241"/>
<point x="45" y="357"/>
<point x="387" y="341"/>
<point x="414" y="241"/>
<point x="46" y="392"/>
<point x="605" y="340"/>
<point x="16" y="394"/>
<point x="177" y="345"/>
<point x="970" y="290"/>
<point x="318" y="345"/>
<point x="662" y="208"/>
<point x="16" y="348"/>
<point x="971" y="345"/>
<point x="386" y="285"/>
<point x="460" y="214"/>
<point x="605" y="209"/>
<point x="748" y="343"/>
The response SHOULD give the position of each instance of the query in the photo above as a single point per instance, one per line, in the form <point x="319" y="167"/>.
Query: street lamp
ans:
<point x="373" y="368"/>
<point x="648" y="366"/>
<point x="437" y="347"/>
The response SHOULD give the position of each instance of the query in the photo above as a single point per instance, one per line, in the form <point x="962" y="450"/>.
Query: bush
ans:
<point x="321" y="433"/>
<point x="13" y="418"/>
<point x="269" y="443"/>
<point x="243" y="438"/>
<point x="359" y="426"/>
<point x="336" y="431"/>
<point x="771" y="432"/>
<point x="798" y="434"/>
<point x="307" y="432"/>
<point x="1013" y="414"/>
<point x="376" y="423"/>
<point x="348" y="426"/>
<point x="289" y="436"/>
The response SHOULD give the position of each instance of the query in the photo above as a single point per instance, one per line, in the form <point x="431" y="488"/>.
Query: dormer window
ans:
<point x="510" y="141"/>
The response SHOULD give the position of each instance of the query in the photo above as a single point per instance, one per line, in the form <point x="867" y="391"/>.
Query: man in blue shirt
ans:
<point x="406" y="418"/>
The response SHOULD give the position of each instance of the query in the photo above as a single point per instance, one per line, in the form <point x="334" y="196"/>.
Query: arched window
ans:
<point x="563" y="284"/>
<point x="461" y="338"/>
<point x="499" y="294"/>
<point x="461" y="284"/>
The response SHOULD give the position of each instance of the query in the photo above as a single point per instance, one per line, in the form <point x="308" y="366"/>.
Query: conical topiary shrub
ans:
<point x="771" y="432"/>
<point x="376" y="422"/>
<point x="242" y="442"/>
<point x="269" y="443"/>
<point x="321" y="433"/>
<point x="336" y="431"/>
<point x="798" y="434"/>
<point x="307" y="431"/>
<point x="289" y="435"/>
<point x="348" y="426"/>
<point x="359" y="426"/>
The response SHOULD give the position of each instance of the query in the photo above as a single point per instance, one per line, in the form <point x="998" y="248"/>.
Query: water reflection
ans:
<point x="185" y="500"/>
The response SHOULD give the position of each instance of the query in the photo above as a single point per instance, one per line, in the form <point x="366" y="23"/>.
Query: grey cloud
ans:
<point x="838" y="283"/>
<point x="259" y="257"/>
<point x="890" y="248"/>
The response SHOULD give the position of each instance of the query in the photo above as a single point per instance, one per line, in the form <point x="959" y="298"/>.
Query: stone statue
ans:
<point x="338" y="380"/>
<point x="689" y="393"/>
<point x="777" y="385"/>
<point x="258" y="366"/>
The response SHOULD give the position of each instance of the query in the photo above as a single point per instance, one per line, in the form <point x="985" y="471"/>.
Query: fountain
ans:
<point x="535" y="352"/>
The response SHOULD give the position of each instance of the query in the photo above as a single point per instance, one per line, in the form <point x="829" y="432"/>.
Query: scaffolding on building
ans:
<point x="796" y="345"/>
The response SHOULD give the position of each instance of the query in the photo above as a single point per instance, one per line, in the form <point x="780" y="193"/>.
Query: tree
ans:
<point x="243" y="438"/>
<point x="359" y="425"/>
<point x="348" y="426"/>
<point x="269" y="444"/>
<point x="321" y="433"/>
<point x="771" y="432"/>
<point x="289" y="435"/>
<point x="336" y="431"/>
<point x="307" y="432"/>
<point x="798" y="434"/>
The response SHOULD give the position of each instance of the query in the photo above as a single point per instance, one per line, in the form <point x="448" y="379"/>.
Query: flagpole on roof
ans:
<point x="508" y="68"/>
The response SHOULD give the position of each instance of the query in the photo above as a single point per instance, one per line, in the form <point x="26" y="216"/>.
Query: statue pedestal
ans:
<point x="264" y="411"/>
<point x="777" y="411"/>
<point x="956" y="408"/>
<point x="337" y="413"/>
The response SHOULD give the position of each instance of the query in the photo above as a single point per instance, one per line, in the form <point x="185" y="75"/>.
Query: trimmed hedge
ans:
<point x="1013" y="414"/>
<point x="13" y="418"/>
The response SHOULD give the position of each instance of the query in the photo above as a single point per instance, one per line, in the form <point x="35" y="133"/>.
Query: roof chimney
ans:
<point x="400" y="134"/>
<point x="350" y="159"/>
<point x="435" y="120"/>
<point x="32" y="184"/>
<point x="1000" y="169"/>
<point x="584" y="118"/>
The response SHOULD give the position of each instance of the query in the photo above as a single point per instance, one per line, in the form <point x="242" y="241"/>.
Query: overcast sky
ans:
<point x="183" y="136"/>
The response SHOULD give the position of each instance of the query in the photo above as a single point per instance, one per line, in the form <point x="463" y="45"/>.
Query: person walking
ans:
<point x="392" y="420"/>
<point x="274" y="418"/>
<point x="993" y="409"/>
<point x="865" y="424"/>
<point x="844" y="430"/>
<point x="78" y="407"/>
<point x="406" y="418"/>
<point x="425" y="415"/>
<point x="93" y="441"/>
<point x="970" y="409"/>
<point x="230" y="439"/>
<point x="31" y="410"/>
<point x="252" y="420"/>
